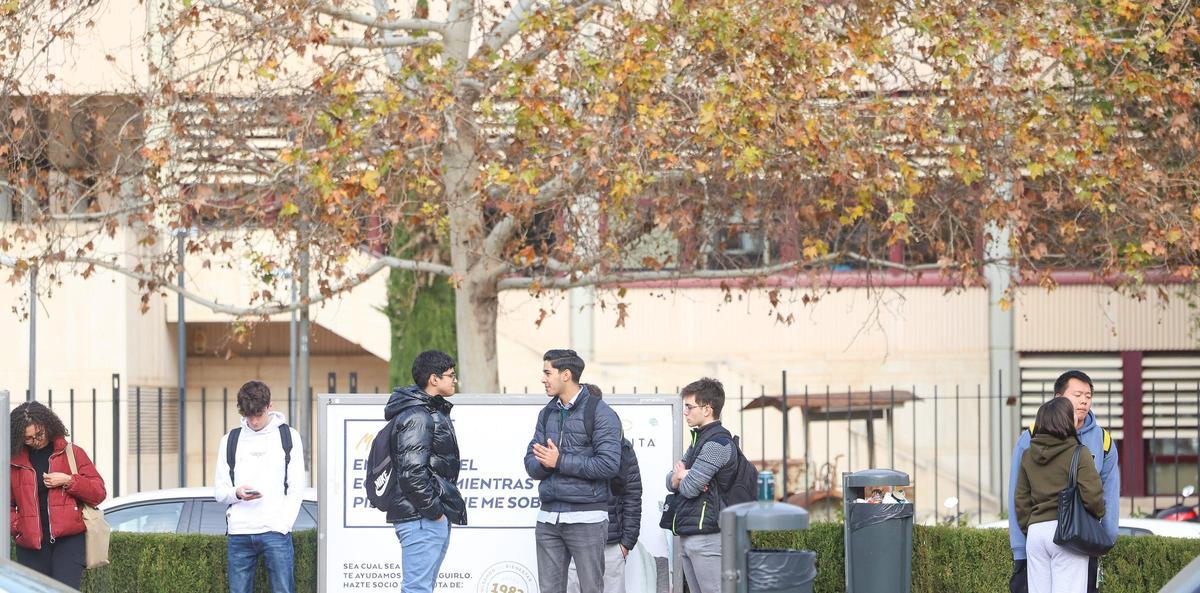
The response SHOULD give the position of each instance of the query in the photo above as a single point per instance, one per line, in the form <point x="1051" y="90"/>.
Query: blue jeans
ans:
<point x="243" y="552"/>
<point x="423" y="545"/>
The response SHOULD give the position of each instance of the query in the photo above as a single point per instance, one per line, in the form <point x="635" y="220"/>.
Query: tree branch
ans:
<point x="503" y="231"/>
<point x="506" y="29"/>
<point x="93" y="216"/>
<point x="382" y="43"/>
<point x="380" y="22"/>
<point x="564" y="282"/>
<point x="390" y="55"/>
<point x="246" y="14"/>
<point x="567" y="281"/>
<point x="263" y="310"/>
<point x="507" y="227"/>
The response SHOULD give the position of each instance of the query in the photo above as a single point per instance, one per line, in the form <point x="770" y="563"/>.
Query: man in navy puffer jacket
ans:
<point x="574" y="468"/>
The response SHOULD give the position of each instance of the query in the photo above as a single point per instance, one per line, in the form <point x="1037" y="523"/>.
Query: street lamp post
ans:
<point x="182" y="234"/>
<point x="32" y="394"/>
<point x="292" y="337"/>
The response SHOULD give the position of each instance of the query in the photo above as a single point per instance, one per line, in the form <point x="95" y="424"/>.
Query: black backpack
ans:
<point x="740" y="483"/>
<point x="285" y="438"/>
<point x="612" y="484"/>
<point x="744" y="485"/>
<point x="381" y="480"/>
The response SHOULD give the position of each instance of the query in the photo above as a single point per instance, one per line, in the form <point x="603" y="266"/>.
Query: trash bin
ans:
<point x="878" y="534"/>
<point x="745" y="570"/>
<point x="775" y="571"/>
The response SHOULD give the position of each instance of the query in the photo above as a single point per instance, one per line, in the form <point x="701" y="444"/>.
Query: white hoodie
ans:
<point x="259" y="465"/>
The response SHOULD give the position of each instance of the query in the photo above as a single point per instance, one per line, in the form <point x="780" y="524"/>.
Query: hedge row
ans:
<point x="944" y="559"/>
<point x="980" y="561"/>
<point x="186" y="563"/>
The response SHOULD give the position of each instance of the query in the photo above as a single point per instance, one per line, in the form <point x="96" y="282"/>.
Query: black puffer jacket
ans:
<point x="625" y="503"/>
<point x="424" y="458"/>
<point x="585" y="464"/>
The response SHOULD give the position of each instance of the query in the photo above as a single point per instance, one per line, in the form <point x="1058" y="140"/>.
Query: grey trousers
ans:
<point x="614" y="572"/>
<point x="559" y="544"/>
<point x="702" y="562"/>
<point x="1050" y="567"/>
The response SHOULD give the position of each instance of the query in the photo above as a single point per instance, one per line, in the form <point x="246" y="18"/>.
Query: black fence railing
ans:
<point x="94" y="414"/>
<point x="950" y="440"/>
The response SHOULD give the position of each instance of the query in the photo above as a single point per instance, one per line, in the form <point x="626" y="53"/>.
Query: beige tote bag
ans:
<point x="98" y="531"/>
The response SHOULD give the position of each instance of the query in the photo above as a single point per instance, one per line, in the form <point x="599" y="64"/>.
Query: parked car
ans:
<point x="15" y="578"/>
<point x="1136" y="527"/>
<point x="185" y="510"/>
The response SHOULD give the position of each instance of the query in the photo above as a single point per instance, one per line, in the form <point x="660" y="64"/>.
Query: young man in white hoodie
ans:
<point x="262" y="489"/>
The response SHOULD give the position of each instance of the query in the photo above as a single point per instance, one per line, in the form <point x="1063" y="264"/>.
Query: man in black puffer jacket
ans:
<point x="624" y="518"/>
<point x="574" y="465"/>
<point x="425" y="461"/>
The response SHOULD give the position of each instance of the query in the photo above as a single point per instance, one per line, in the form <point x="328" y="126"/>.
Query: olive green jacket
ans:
<point x="1044" y="472"/>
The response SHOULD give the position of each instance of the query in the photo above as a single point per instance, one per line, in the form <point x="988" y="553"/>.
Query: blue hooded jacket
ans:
<point x="1092" y="437"/>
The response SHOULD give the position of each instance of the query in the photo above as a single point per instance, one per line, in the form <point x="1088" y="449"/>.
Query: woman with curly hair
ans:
<point x="46" y="515"/>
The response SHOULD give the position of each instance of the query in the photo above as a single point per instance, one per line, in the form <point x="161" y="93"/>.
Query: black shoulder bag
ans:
<point x="1078" y="529"/>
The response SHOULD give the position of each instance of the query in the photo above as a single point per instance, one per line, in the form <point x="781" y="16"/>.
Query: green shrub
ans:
<point x="185" y="563"/>
<point x="958" y="560"/>
<point x="945" y="560"/>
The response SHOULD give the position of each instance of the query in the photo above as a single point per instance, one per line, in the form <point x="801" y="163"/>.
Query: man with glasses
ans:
<point x="575" y="452"/>
<point x="425" y="462"/>
<point x="708" y="463"/>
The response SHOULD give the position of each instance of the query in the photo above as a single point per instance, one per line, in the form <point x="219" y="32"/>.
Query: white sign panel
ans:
<point x="494" y="552"/>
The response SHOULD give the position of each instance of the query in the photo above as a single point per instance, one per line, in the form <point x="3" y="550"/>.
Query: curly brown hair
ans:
<point x="34" y="414"/>
<point x="253" y="398"/>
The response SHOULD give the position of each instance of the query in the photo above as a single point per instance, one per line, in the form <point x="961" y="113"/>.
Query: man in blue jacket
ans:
<point x="575" y="451"/>
<point x="1076" y="386"/>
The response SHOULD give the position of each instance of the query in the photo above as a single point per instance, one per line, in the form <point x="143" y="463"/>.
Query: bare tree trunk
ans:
<point x="475" y="295"/>
<point x="476" y="307"/>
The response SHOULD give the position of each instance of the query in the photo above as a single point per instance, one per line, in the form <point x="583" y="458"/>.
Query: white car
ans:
<point x="185" y="510"/>
<point x="15" y="578"/>
<point x="1137" y="527"/>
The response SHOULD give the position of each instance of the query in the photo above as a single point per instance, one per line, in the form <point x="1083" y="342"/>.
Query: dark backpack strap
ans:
<point x="285" y="437"/>
<point x="545" y="413"/>
<point x="231" y="452"/>
<point x="589" y="415"/>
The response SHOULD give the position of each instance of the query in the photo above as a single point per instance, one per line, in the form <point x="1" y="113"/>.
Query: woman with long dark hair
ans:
<point x="1044" y="472"/>
<point x="47" y="498"/>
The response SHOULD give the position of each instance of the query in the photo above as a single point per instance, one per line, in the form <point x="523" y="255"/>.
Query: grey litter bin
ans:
<point x="744" y="570"/>
<point x="878" y="536"/>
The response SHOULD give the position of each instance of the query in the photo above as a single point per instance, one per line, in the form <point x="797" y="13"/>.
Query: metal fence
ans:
<point x="93" y="414"/>
<point x="950" y="440"/>
<point x="132" y="433"/>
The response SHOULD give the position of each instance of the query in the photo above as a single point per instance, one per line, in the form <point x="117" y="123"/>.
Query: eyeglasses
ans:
<point x="448" y="375"/>
<point x="38" y="436"/>
<point x="690" y="407"/>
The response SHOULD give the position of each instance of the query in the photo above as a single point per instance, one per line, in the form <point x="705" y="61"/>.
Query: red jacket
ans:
<point x="66" y="516"/>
